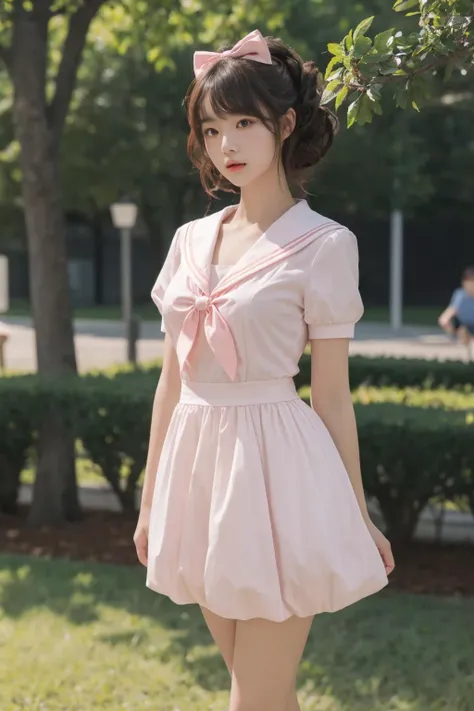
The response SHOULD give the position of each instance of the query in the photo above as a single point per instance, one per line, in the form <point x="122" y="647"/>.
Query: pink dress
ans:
<point x="253" y="513"/>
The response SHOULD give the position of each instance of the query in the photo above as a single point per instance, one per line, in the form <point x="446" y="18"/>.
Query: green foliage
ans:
<point x="112" y="419"/>
<point x="438" y="398"/>
<point x="400" y="373"/>
<point x="18" y="399"/>
<point x="411" y="455"/>
<point x="403" y="62"/>
<point x="416" y="442"/>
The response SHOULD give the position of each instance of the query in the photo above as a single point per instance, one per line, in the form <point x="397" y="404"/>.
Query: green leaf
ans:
<point x="384" y="40"/>
<point x="336" y="75"/>
<point x="377" y="108"/>
<point x="352" y="112"/>
<point x="340" y="97"/>
<point x="336" y="49"/>
<point x="363" y="26"/>
<point x="330" y="91"/>
<point x="401" y="97"/>
<point x="415" y="106"/>
<point x="333" y="63"/>
<point x="361" y="46"/>
<point x="348" y="63"/>
<point x="388" y="70"/>
<point x="373" y="57"/>
<point x="373" y="92"/>
<point x="364" y="114"/>
<point x="349" y="41"/>
<point x="403" y="5"/>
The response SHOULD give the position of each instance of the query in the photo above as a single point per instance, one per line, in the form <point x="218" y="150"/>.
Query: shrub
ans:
<point x="399" y="372"/>
<point x="17" y="403"/>
<point x="415" y="444"/>
<point x="112" y="418"/>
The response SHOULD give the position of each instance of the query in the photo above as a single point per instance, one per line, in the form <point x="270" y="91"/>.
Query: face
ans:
<point x="238" y="139"/>
<point x="468" y="285"/>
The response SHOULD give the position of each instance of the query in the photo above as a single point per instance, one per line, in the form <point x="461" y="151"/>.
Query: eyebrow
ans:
<point x="208" y="119"/>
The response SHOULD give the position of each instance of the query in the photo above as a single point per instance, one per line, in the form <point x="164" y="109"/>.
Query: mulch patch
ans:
<point x="106" y="537"/>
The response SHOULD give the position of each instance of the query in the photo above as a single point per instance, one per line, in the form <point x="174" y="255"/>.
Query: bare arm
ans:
<point x="331" y="400"/>
<point x="166" y="398"/>
<point x="446" y="316"/>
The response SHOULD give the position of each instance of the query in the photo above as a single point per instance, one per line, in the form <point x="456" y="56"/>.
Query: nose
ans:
<point x="228" y="143"/>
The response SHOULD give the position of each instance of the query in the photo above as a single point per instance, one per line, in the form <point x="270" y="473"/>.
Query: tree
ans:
<point x="43" y="84"/>
<point x="40" y="107"/>
<point x="406" y="62"/>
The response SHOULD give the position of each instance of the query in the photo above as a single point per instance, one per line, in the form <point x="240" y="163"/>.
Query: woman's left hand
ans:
<point x="383" y="545"/>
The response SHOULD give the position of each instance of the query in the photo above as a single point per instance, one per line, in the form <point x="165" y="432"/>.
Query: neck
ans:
<point x="264" y="200"/>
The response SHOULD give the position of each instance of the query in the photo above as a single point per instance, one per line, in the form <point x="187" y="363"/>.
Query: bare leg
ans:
<point x="265" y="663"/>
<point x="464" y="335"/>
<point x="223" y="633"/>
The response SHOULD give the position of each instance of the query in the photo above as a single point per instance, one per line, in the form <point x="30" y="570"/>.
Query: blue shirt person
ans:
<point x="458" y="318"/>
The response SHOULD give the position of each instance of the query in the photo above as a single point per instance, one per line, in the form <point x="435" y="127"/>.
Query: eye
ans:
<point x="246" y="121"/>
<point x="207" y="134"/>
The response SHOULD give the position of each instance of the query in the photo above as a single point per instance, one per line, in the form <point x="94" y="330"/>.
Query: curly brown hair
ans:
<point x="241" y="86"/>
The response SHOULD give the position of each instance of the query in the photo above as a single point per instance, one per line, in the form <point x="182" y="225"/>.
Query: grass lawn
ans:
<point x="421" y="316"/>
<point x="86" y="637"/>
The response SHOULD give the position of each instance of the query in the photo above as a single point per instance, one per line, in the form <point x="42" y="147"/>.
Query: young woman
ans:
<point x="253" y="505"/>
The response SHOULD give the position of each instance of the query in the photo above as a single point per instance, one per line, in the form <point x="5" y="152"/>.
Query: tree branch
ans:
<point x="71" y="58"/>
<point x="388" y="78"/>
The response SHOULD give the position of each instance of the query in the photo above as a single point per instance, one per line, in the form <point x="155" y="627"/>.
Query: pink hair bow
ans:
<point x="253" y="46"/>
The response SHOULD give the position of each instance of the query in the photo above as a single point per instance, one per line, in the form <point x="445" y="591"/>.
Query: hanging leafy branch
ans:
<point x="395" y="62"/>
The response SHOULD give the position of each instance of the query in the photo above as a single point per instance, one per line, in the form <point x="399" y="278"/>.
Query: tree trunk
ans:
<point x="48" y="270"/>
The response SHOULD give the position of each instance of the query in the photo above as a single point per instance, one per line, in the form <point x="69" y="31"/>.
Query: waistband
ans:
<point x="253" y="392"/>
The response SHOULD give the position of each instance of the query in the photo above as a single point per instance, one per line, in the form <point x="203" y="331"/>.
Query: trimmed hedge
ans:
<point x="399" y="372"/>
<point x="409" y="454"/>
<point x="378" y="372"/>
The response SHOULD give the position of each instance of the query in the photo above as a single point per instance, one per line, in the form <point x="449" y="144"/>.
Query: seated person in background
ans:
<point x="458" y="318"/>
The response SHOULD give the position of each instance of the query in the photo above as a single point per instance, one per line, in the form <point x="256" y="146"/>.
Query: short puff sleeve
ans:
<point x="457" y="298"/>
<point x="332" y="302"/>
<point x="168" y="270"/>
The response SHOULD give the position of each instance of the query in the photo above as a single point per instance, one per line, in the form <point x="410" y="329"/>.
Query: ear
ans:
<point x="288" y="122"/>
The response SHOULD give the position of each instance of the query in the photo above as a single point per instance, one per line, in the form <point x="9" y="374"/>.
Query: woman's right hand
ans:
<point x="140" y="537"/>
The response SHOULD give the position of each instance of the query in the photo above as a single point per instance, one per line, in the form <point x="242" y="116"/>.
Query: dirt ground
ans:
<point x="106" y="537"/>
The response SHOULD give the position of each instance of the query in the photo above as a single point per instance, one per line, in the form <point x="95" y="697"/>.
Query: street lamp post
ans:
<point x="4" y="306"/>
<point x="124" y="215"/>
<point x="396" y="269"/>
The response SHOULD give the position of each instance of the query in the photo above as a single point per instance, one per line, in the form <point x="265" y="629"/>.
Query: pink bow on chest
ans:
<point x="217" y="332"/>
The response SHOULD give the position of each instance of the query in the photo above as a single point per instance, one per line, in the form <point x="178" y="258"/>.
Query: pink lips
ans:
<point x="236" y="166"/>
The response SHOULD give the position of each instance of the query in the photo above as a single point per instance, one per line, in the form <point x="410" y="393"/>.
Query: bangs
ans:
<point x="230" y="90"/>
<point x="242" y="87"/>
